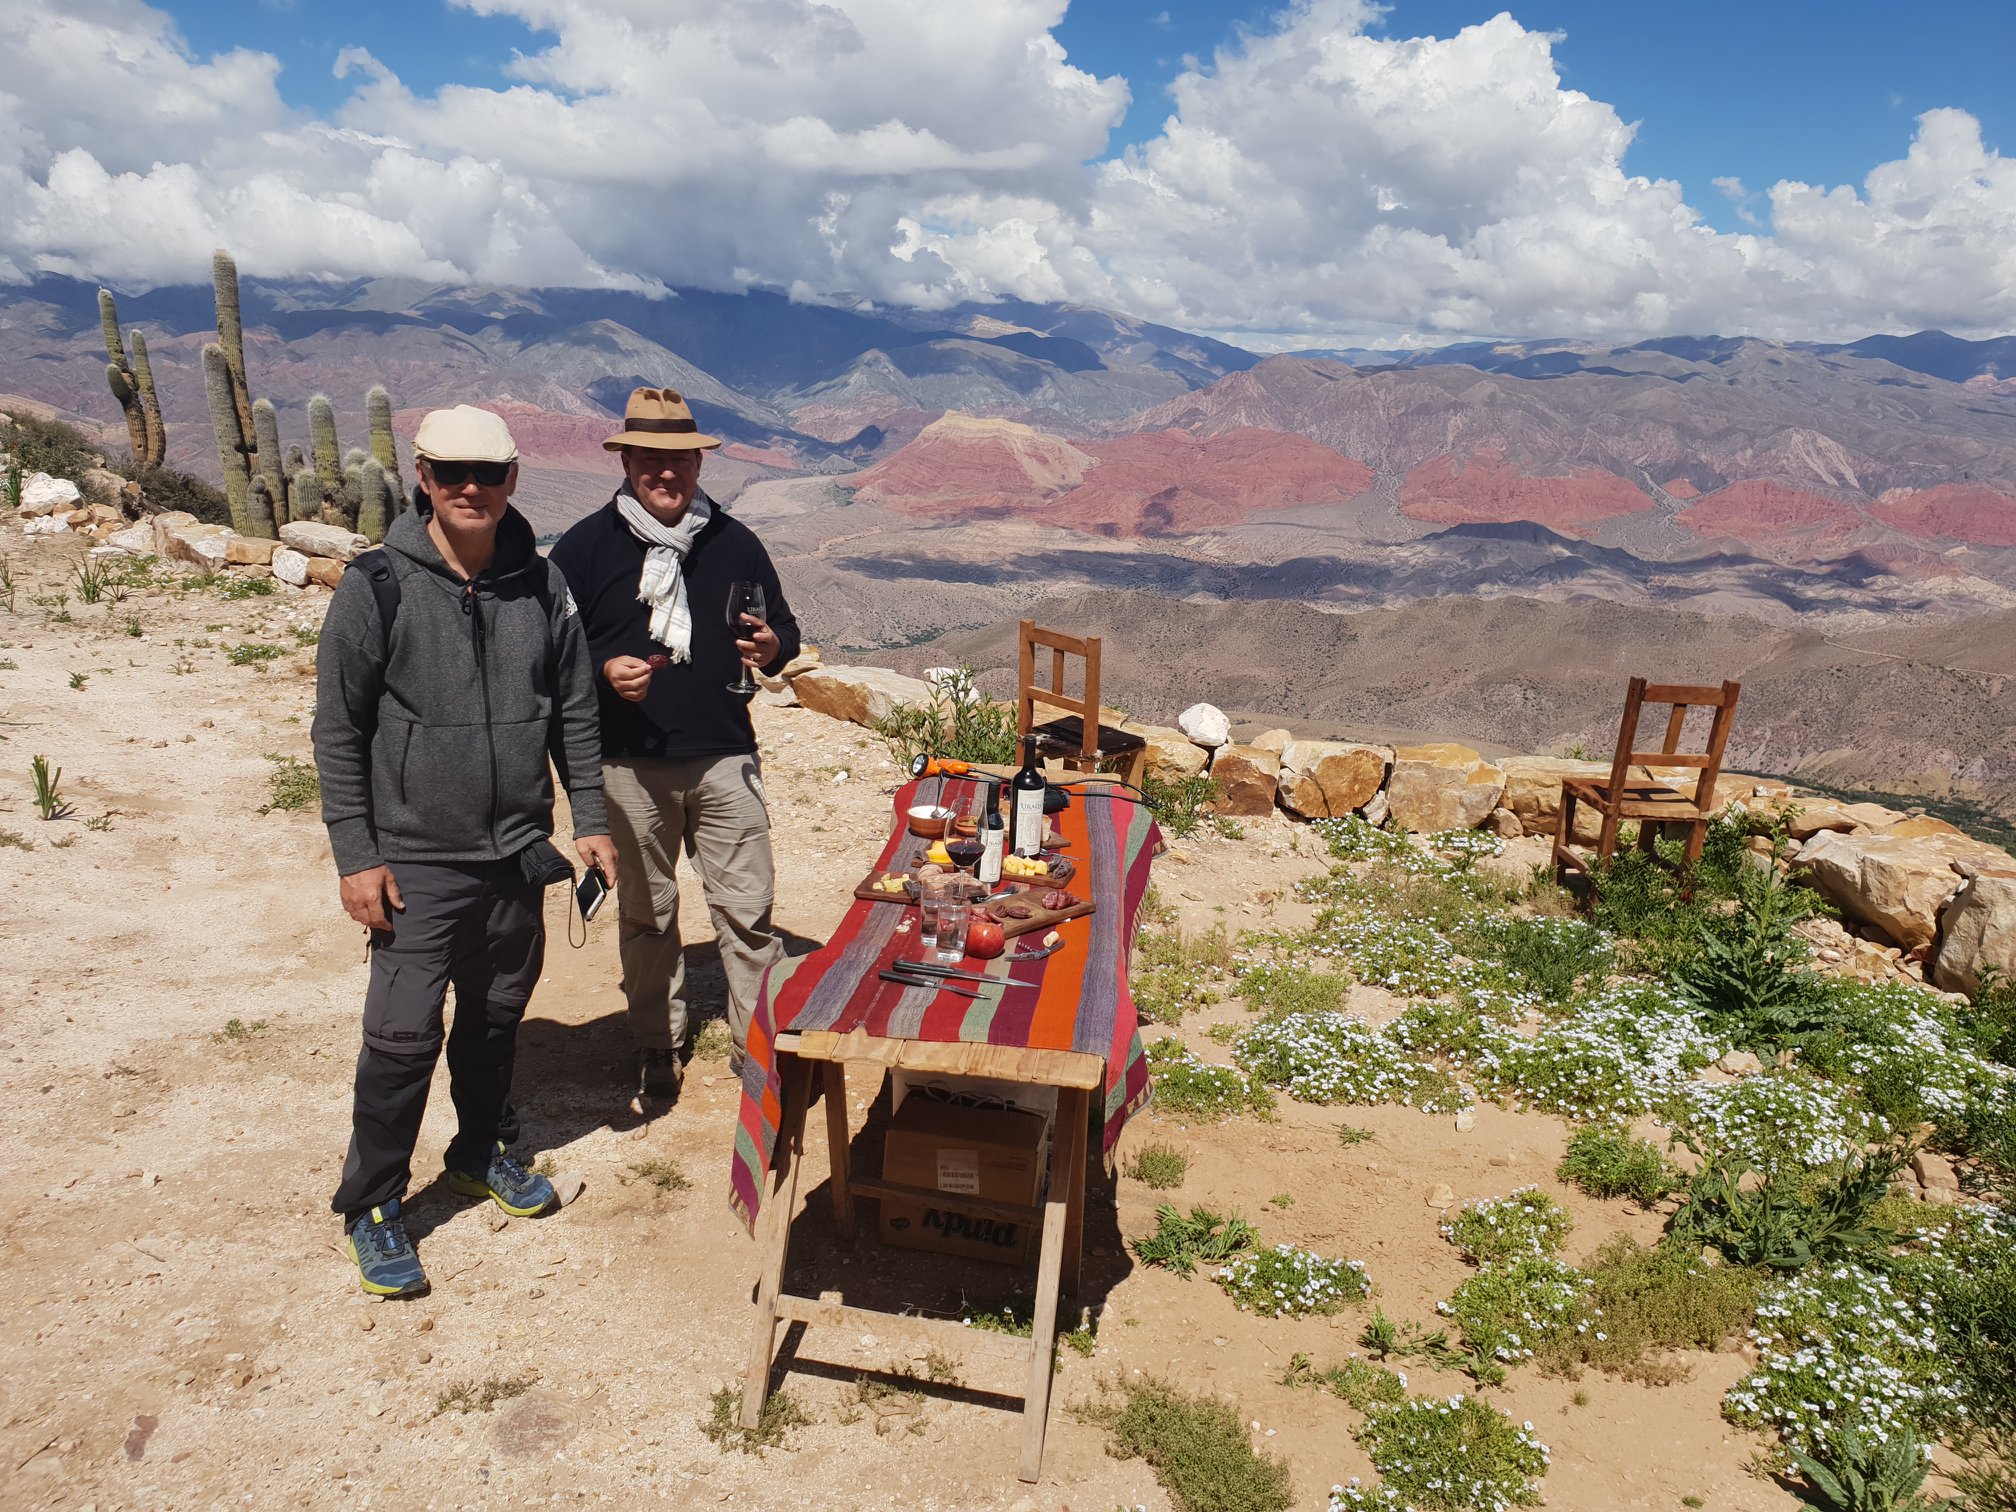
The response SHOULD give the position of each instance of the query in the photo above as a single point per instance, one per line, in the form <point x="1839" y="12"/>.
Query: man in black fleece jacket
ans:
<point x="433" y="728"/>
<point x="651" y="571"/>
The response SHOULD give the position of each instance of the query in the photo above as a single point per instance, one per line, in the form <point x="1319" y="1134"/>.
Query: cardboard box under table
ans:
<point x="964" y="1154"/>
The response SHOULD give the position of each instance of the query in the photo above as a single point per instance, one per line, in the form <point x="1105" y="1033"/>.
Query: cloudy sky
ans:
<point x="1335" y="172"/>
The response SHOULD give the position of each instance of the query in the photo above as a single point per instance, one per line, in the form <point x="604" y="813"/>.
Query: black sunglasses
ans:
<point x="455" y="474"/>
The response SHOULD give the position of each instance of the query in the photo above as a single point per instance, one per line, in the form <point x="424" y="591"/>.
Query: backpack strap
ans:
<point x="377" y="570"/>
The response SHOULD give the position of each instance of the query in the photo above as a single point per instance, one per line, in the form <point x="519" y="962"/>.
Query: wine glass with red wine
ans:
<point x="744" y="598"/>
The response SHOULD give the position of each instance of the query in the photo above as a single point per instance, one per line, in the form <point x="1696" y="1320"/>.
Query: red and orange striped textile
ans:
<point x="1078" y="998"/>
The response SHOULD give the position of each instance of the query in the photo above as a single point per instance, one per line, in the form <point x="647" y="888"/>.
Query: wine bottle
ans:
<point x="1025" y="803"/>
<point x="993" y="840"/>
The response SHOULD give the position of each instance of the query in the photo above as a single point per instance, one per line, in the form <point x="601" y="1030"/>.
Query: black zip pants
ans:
<point x="479" y="926"/>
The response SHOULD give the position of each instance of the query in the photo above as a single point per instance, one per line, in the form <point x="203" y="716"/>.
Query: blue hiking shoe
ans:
<point x="520" y="1192"/>
<point x="384" y="1255"/>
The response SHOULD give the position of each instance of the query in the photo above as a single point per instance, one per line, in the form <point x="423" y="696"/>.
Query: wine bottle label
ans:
<point x="990" y="856"/>
<point x="1028" y="821"/>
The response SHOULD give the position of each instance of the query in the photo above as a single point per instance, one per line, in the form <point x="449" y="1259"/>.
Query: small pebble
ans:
<point x="496" y="1220"/>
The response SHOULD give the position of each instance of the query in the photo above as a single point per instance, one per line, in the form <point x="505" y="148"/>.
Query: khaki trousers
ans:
<point x="714" y="808"/>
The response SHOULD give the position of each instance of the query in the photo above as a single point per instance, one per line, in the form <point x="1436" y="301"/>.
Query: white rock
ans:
<point x="43" y="495"/>
<point x="1206" y="724"/>
<point x="316" y="539"/>
<point x="52" y="524"/>
<point x="134" y="540"/>
<point x="1376" y="809"/>
<point x="290" y="567"/>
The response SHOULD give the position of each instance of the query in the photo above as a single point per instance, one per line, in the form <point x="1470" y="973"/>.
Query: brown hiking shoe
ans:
<point x="662" y="1073"/>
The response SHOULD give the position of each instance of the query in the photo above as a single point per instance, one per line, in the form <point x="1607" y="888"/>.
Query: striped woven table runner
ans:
<point x="1078" y="998"/>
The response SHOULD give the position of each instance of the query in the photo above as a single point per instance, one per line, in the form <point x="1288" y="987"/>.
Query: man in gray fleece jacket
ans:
<point x="442" y="690"/>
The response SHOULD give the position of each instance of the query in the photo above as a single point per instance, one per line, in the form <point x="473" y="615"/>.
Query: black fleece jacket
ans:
<point x="433" y="746"/>
<point x="688" y="710"/>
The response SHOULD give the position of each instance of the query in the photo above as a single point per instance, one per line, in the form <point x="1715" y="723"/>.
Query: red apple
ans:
<point x="984" y="938"/>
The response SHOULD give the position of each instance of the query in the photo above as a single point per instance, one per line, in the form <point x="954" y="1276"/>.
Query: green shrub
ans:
<point x="1287" y="1282"/>
<point x="1160" y="1166"/>
<point x="1747" y="976"/>
<point x="1610" y="1163"/>
<point x="1185" y="1087"/>
<point x="1172" y="973"/>
<point x="1275" y="990"/>
<point x="1179" y="807"/>
<point x="168" y="488"/>
<point x="1359" y="1382"/>
<point x="1182" y="1242"/>
<point x="961" y="723"/>
<point x="723" y="1424"/>
<point x="1526" y="1222"/>
<point x="1448" y="1454"/>
<point x="1647" y="1300"/>
<point x="1864" y="1475"/>
<point x="1513" y="1311"/>
<point x="1198" y="1448"/>
<point x="1785" y="1221"/>
<point x="294" y="786"/>
<point x="1551" y="956"/>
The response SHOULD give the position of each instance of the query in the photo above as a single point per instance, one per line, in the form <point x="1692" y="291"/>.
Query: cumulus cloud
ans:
<point x="1312" y="181"/>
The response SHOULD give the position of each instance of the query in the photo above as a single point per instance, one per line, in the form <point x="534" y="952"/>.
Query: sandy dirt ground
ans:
<point x="179" y="997"/>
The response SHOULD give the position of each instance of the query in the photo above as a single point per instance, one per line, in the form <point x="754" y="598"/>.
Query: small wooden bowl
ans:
<point x="928" y="821"/>
<point x="967" y="826"/>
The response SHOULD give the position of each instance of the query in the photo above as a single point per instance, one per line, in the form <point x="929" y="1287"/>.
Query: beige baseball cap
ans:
<point x="464" y="434"/>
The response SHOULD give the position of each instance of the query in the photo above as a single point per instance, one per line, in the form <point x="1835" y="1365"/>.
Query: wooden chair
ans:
<point x="1077" y="738"/>
<point x="1652" y="803"/>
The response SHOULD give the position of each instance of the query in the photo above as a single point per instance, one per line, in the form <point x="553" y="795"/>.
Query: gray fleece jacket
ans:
<point x="434" y="747"/>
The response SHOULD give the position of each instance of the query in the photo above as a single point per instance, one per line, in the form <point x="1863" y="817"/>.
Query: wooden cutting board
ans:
<point x="1025" y="892"/>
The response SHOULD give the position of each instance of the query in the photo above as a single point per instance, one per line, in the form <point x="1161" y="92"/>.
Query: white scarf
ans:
<point x="663" y="583"/>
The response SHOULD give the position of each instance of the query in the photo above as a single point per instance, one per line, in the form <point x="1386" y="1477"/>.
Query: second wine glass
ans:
<point x="744" y="598"/>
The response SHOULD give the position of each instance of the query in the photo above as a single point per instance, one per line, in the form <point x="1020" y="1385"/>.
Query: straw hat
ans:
<point x="660" y="420"/>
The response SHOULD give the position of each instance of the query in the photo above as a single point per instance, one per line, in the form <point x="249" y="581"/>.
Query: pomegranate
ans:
<point x="985" y="939"/>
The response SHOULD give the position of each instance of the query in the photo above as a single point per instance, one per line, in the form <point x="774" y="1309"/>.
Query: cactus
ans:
<point x="367" y="481"/>
<point x="266" y="431"/>
<point x="231" y="335"/>
<point x="322" y="437"/>
<point x="261" y="504"/>
<point x="304" y="495"/>
<point x="378" y="409"/>
<point x="231" y="449"/>
<point x="295" y="461"/>
<point x="119" y="378"/>
<point x="150" y="403"/>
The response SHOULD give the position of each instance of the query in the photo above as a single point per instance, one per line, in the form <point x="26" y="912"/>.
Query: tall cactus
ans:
<point x="322" y="438"/>
<point x="266" y="432"/>
<point x="378" y="409"/>
<point x="119" y="377"/>
<point x="365" y="485"/>
<point x="231" y="335"/>
<point x="232" y="454"/>
<point x="150" y="403"/>
<point x="304" y="495"/>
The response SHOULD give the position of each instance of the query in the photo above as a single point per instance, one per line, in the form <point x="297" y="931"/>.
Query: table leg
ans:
<point x="834" y="1074"/>
<point x="1043" y="1339"/>
<point x="1074" y="1112"/>
<point x="776" y="1241"/>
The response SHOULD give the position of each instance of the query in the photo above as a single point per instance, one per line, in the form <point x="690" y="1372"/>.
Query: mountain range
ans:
<point x="920" y="474"/>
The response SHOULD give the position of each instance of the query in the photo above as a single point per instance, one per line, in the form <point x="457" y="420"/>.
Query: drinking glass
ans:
<point x="949" y="942"/>
<point x="744" y="598"/>
<point x="932" y="890"/>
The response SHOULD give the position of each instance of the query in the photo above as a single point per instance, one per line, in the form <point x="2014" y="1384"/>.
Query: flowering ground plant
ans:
<point x="1286" y="1282"/>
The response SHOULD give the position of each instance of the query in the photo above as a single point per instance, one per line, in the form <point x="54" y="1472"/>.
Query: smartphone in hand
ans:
<point x="589" y="893"/>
